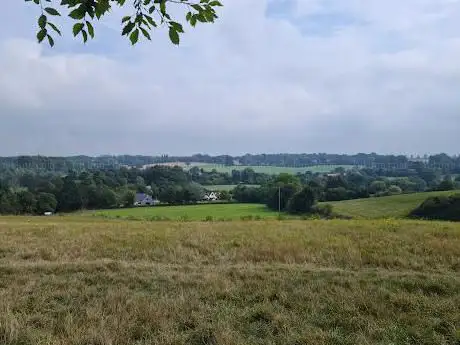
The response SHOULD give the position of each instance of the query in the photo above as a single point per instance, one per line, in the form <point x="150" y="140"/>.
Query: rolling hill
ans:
<point x="397" y="206"/>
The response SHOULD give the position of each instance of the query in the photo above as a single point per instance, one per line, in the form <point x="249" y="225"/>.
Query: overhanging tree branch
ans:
<point x="149" y="14"/>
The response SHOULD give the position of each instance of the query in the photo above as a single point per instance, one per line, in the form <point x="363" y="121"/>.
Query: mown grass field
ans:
<point x="272" y="170"/>
<point x="397" y="206"/>
<point x="88" y="281"/>
<point x="192" y="212"/>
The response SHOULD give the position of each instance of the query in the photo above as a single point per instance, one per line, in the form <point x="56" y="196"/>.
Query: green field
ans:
<point x="390" y="206"/>
<point x="228" y="187"/>
<point x="192" y="212"/>
<point x="397" y="206"/>
<point x="88" y="281"/>
<point x="273" y="170"/>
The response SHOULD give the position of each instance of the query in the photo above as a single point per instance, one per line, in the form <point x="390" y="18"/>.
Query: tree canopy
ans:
<point x="147" y="15"/>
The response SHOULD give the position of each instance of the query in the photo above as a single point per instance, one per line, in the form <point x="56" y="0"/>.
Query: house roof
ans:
<point x="141" y="196"/>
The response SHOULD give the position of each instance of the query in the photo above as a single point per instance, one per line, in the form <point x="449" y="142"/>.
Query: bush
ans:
<point x="394" y="190"/>
<point x="209" y="219"/>
<point x="439" y="208"/>
<point x="324" y="210"/>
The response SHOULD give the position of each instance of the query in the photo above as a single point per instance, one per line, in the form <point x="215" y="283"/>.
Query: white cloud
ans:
<point x="249" y="83"/>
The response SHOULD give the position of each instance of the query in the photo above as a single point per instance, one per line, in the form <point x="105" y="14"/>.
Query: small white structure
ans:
<point x="212" y="196"/>
<point x="48" y="213"/>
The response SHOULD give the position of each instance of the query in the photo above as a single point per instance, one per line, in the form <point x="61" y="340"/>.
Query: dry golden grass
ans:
<point x="87" y="281"/>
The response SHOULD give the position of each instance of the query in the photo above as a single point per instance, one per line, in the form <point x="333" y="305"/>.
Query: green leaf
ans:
<point x="41" y="35"/>
<point x="151" y="21"/>
<point x="102" y="6"/>
<point x="215" y="3"/>
<point x="193" y="20"/>
<point x="52" y="11"/>
<point x="85" y="36"/>
<point x="173" y="35"/>
<point x="90" y="29"/>
<point x="188" y="16"/>
<point x="197" y="7"/>
<point x="176" y="26"/>
<point x="146" y="34"/>
<point x="50" y="40"/>
<point x="127" y="29"/>
<point x="134" y="36"/>
<point x="42" y="21"/>
<point x="77" y="28"/>
<point x="201" y="18"/>
<point x="125" y="19"/>
<point x="78" y="13"/>
<point x="163" y="7"/>
<point x="54" y="28"/>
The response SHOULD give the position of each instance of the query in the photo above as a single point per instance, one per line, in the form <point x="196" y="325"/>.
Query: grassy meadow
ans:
<point x="90" y="281"/>
<point x="396" y="206"/>
<point x="192" y="212"/>
<point x="272" y="170"/>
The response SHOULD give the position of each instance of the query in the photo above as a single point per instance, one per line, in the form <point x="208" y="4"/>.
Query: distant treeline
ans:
<point x="26" y="191"/>
<point x="30" y="191"/>
<point x="449" y="164"/>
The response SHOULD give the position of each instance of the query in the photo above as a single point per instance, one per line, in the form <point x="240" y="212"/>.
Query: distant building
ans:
<point x="211" y="196"/>
<point x="143" y="199"/>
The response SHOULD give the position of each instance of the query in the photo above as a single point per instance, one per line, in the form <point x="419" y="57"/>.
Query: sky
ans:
<point x="269" y="76"/>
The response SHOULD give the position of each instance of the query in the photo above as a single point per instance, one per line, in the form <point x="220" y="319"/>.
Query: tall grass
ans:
<point x="82" y="281"/>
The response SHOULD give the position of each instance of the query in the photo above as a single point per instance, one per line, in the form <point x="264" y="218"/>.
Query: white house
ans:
<point x="211" y="196"/>
<point x="143" y="199"/>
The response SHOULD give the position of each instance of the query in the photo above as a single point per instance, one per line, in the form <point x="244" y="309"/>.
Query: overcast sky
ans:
<point x="336" y="76"/>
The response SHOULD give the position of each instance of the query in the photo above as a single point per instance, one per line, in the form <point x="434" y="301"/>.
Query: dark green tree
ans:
<point x="27" y="202"/>
<point x="279" y="197"/>
<point x="46" y="202"/>
<point x="302" y="202"/>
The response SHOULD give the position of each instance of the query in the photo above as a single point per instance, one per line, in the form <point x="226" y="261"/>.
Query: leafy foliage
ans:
<point x="439" y="208"/>
<point x="148" y="15"/>
<point x="302" y="202"/>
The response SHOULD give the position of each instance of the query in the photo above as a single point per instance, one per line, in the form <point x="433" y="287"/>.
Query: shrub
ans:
<point x="184" y="218"/>
<point x="394" y="190"/>
<point x="439" y="208"/>
<point x="324" y="210"/>
<point x="209" y="219"/>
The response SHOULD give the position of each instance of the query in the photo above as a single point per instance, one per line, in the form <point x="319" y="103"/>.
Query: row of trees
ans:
<point x="97" y="189"/>
<point x="386" y="164"/>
